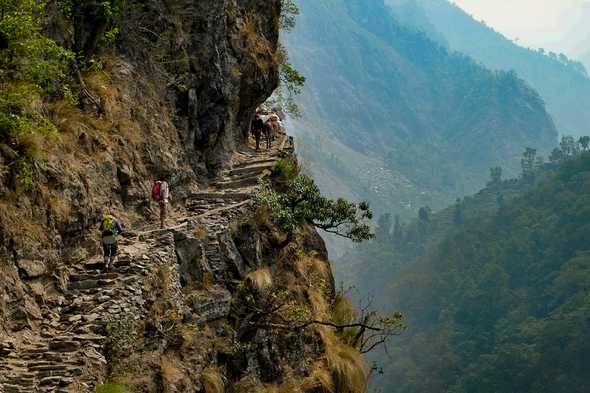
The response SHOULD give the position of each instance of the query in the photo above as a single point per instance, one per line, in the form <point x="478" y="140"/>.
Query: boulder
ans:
<point x="190" y="255"/>
<point x="32" y="269"/>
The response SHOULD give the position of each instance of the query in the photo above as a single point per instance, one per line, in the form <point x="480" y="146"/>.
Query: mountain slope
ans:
<point x="500" y="303"/>
<point x="432" y="119"/>
<point x="562" y="83"/>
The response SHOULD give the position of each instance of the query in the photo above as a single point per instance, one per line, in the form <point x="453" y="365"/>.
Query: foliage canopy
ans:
<point x="31" y="66"/>
<point x="499" y="303"/>
<point x="302" y="202"/>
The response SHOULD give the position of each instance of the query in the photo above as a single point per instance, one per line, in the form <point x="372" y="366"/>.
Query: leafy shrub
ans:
<point x="121" y="337"/>
<point x="31" y="66"/>
<point x="285" y="170"/>
<point x="302" y="202"/>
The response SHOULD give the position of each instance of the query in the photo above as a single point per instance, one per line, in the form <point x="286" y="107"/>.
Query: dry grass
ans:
<point x="290" y="386"/>
<point x="261" y="215"/>
<point x="170" y="371"/>
<point x="257" y="46"/>
<point x="212" y="380"/>
<point x="201" y="232"/>
<point x="208" y="280"/>
<point x="320" y="379"/>
<point x="345" y="370"/>
<point x="162" y="280"/>
<point x="319" y="305"/>
<point x="342" y="310"/>
<point x="344" y="313"/>
<point x="310" y="264"/>
<point x="59" y="206"/>
<point x="347" y="365"/>
<point x="66" y="117"/>
<point x="261" y="279"/>
<point x="315" y="272"/>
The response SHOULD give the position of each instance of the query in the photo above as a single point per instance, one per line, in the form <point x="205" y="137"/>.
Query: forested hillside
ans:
<point x="390" y="115"/>
<point x="496" y="288"/>
<point x="562" y="83"/>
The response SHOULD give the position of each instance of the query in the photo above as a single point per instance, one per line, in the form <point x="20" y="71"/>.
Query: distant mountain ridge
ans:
<point x="562" y="83"/>
<point x="431" y="120"/>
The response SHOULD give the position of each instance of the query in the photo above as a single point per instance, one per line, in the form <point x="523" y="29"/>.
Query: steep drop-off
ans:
<point x="495" y="288"/>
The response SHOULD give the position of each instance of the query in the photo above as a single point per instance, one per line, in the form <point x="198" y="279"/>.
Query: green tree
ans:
<point x="398" y="232"/>
<point x="495" y="175"/>
<point x="584" y="141"/>
<point x="291" y="80"/>
<point x="556" y="156"/>
<point x="302" y="202"/>
<point x="31" y="66"/>
<point x="424" y="214"/>
<point x="569" y="146"/>
<point x="528" y="162"/>
<point x="289" y="12"/>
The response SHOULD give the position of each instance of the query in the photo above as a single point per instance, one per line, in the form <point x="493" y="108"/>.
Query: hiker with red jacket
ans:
<point x="161" y="193"/>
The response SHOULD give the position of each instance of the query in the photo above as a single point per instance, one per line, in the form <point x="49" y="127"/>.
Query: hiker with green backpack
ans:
<point x="110" y="228"/>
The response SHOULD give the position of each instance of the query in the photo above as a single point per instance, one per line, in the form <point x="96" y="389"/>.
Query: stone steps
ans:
<point x="236" y="184"/>
<point x="250" y="169"/>
<point x="78" y="326"/>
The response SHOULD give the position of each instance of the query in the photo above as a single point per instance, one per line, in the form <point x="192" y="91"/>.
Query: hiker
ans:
<point x="110" y="227"/>
<point x="161" y="193"/>
<point x="257" y="126"/>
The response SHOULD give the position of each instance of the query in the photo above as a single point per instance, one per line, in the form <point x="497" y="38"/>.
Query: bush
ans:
<point x="31" y="66"/>
<point x="303" y="203"/>
<point x="285" y="171"/>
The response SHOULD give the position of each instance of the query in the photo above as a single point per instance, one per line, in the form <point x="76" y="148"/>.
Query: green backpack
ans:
<point x="108" y="224"/>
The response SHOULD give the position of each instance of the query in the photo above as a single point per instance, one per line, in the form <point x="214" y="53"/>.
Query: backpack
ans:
<point x="156" y="190"/>
<point x="108" y="224"/>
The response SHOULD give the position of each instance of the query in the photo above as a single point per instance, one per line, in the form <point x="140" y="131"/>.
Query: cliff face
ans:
<point x="172" y="96"/>
<point x="184" y="309"/>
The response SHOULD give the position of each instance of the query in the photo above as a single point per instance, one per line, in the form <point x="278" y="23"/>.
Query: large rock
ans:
<point x="211" y="306"/>
<point x="190" y="255"/>
<point x="32" y="269"/>
<point x="222" y="71"/>
<point x="248" y="241"/>
<point x="231" y="255"/>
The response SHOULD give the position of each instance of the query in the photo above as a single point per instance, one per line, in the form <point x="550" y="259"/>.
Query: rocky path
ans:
<point x="67" y="355"/>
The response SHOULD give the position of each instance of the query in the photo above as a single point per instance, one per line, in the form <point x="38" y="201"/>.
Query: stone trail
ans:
<point x="68" y="353"/>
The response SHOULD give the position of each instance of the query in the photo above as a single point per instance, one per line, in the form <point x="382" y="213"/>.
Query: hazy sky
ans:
<point x="559" y="25"/>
